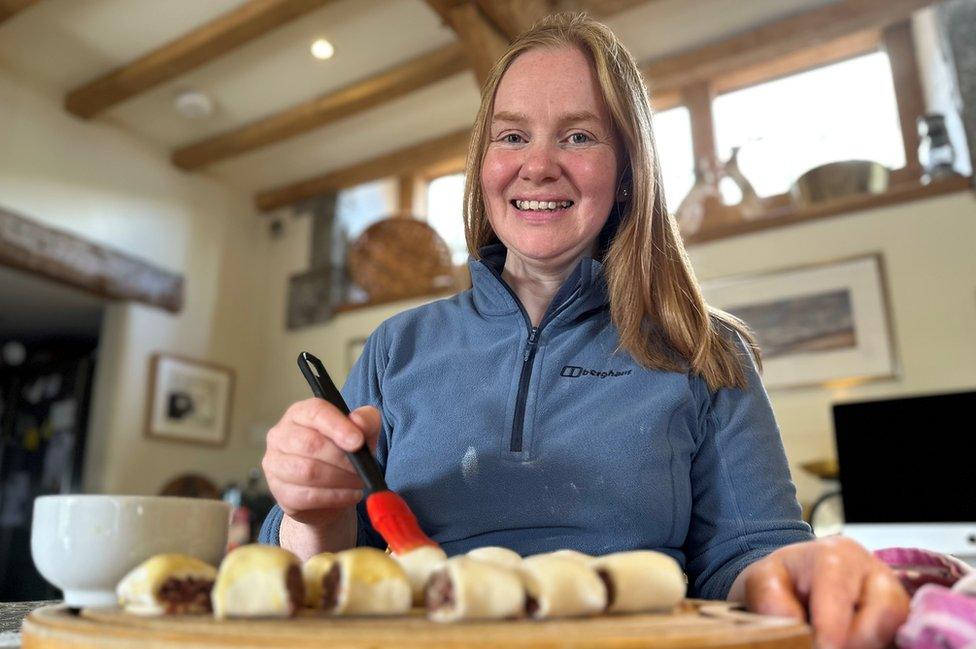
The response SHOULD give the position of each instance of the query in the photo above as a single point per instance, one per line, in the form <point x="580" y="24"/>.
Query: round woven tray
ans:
<point x="400" y="257"/>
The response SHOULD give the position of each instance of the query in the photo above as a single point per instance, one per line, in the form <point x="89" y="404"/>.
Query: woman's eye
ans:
<point x="579" y="138"/>
<point x="512" y="138"/>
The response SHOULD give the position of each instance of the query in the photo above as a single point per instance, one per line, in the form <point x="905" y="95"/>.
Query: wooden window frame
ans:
<point x="905" y="183"/>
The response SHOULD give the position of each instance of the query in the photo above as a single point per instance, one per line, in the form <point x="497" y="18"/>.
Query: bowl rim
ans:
<point x="203" y="502"/>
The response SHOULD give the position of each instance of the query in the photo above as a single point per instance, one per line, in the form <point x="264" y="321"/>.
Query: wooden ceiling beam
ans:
<point x="513" y="17"/>
<point x="385" y="86"/>
<point x="483" y="42"/>
<point x="197" y="47"/>
<point x="9" y="7"/>
<point x="412" y="159"/>
<point x="778" y="38"/>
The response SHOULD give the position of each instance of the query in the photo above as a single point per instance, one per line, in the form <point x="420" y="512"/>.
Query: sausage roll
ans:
<point x="559" y="586"/>
<point x="314" y="572"/>
<point x="419" y="563"/>
<point x="471" y="589"/>
<point x="258" y="581"/>
<point x="573" y="554"/>
<point x="642" y="580"/>
<point x="366" y="581"/>
<point x="166" y="584"/>
<point x="498" y="555"/>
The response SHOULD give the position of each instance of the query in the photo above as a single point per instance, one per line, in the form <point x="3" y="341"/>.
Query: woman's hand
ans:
<point x="305" y="460"/>
<point x="850" y="598"/>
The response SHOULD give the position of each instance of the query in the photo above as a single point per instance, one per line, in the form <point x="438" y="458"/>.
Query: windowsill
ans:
<point x="368" y="304"/>
<point x="789" y="215"/>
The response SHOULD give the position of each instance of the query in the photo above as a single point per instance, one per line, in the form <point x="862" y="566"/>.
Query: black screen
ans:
<point x="909" y="460"/>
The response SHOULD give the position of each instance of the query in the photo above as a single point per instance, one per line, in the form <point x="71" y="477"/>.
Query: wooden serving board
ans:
<point x="694" y="624"/>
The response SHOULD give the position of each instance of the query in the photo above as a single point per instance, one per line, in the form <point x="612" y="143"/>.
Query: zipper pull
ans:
<point x="528" y="348"/>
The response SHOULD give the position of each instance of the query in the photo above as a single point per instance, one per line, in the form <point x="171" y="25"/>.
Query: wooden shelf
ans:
<point x="789" y="215"/>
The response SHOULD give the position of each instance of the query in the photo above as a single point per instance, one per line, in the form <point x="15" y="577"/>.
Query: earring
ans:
<point x="624" y="194"/>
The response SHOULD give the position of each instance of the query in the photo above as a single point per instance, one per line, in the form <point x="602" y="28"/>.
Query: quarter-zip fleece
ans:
<point x="540" y="438"/>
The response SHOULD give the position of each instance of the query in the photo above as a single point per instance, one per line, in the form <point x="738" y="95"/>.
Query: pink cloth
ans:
<point x="943" y="590"/>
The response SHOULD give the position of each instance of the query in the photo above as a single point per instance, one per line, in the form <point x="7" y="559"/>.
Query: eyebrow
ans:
<point x="567" y="118"/>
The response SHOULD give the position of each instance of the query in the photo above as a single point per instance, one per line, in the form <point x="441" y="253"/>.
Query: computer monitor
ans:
<point x="907" y="468"/>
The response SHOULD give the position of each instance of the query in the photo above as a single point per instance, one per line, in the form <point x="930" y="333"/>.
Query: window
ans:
<point x="672" y="135"/>
<point x="843" y="111"/>
<point x="361" y="206"/>
<point x="445" y="201"/>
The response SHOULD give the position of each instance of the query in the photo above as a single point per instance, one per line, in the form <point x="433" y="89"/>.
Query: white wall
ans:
<point x="929" y="256"/>
<point x="95" y="181"/>
<point x="281" y="382"/>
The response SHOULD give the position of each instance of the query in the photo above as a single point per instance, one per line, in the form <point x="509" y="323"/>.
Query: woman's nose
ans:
<point x="540" y="163"/>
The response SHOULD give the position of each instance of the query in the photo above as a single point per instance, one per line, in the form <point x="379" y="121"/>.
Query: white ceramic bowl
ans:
<point x="84" y="545"/>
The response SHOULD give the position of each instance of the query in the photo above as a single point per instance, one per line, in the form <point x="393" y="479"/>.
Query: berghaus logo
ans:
<point x="572" y="372"/>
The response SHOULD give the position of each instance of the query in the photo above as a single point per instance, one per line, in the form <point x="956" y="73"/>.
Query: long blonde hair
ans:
<point x="655" y="300"/>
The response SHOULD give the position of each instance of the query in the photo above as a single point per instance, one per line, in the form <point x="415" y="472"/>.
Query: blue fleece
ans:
<point x="611" y="456"/>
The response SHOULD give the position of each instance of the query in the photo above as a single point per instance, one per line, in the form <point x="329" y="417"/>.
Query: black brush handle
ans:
<point x="324" y="388"/>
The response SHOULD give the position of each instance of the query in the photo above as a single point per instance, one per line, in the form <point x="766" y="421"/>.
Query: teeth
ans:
<point x="542" y="205"/>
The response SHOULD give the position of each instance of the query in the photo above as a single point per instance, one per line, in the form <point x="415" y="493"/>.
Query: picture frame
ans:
<point x="189" y="400"/>
<point x="821" y="324"/>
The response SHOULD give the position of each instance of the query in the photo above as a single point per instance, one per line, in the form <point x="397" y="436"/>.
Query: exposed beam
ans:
<point x="778" y="38"/>
<point x="73" y="261"/>
<point x="512" y="17"/>
<point x="385" y="86"/>
<point x="412" y="159"/>
<point x="483" y="43"/>
<point x="604" y="8"/>
<point x="9" y="7"/>
<point x="189" y="51"/>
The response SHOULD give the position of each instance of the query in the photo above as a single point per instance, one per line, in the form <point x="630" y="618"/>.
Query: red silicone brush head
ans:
<point x="392" y="518"/>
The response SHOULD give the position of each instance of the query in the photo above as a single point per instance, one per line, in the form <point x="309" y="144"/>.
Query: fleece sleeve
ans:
<point x="744" y="502"/>
<point x="362" y="388"/>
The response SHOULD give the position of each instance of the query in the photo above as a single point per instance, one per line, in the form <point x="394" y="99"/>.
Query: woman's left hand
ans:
<point x="851" y="599"/>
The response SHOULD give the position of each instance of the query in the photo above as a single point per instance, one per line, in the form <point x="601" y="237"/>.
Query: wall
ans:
<point x="281" y="382"/>
<point x="930" y="264"/>
<point x="93" y="180"/>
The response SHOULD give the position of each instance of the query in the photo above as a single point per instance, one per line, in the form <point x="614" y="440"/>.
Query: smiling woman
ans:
<point x="669" y="444"/>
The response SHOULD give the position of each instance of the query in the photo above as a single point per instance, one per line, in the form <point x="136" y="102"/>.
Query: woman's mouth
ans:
<point x="541" y="206"/>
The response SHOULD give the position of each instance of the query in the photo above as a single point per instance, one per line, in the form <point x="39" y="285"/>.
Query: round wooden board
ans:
<point x="400" y="257"/>
<point x="695" y="624"/>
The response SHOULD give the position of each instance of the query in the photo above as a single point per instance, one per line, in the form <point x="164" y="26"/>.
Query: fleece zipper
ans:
<point x="528" y="357"/>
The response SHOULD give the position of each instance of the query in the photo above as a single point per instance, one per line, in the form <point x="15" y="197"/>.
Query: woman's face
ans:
<point x="551" y="142"/>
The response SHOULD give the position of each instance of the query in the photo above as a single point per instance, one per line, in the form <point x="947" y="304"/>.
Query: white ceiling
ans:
<point x="60" y="44"/>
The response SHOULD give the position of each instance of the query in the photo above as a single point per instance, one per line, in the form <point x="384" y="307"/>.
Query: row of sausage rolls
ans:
<point x="495" y="583"/>
<point x="487" y="583"/>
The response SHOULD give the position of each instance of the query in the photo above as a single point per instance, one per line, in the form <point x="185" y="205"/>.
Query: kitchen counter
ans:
<point x="11" y="616"/>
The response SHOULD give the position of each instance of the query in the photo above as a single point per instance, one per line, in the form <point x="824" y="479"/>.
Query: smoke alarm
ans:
<point x="193" y="104"/>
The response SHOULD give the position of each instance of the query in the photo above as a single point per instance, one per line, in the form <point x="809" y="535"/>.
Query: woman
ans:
<point x="582" y="394"/>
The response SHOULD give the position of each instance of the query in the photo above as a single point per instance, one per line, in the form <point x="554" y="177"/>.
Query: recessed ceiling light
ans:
<point x="322" y="49"/>
<point x="193" y="104"/>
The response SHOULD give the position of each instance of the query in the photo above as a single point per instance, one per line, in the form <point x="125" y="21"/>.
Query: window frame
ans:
<point x="698" y="96"/>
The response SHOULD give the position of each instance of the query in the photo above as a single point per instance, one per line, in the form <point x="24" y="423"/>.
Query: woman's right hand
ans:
<point x="305" y="459"/>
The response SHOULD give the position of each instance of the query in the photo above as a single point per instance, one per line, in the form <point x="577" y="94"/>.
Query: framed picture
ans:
<point x="189" y="400"/>
<point x="815" y="324"/>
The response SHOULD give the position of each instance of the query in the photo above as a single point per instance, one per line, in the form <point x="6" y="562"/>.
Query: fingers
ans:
<point x="301" y="470"/>
<point x="346" y="432"/>
<point x="769" y="590"/>
<point x="835" y="589"/>
<point x="301" y="500"/>
<point x="883" y="608"/>
<point x="370" y="421"/>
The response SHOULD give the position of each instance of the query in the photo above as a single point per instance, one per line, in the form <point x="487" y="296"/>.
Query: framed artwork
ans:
<point x="189" y="400"/>
<point x="815" y="324"/>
